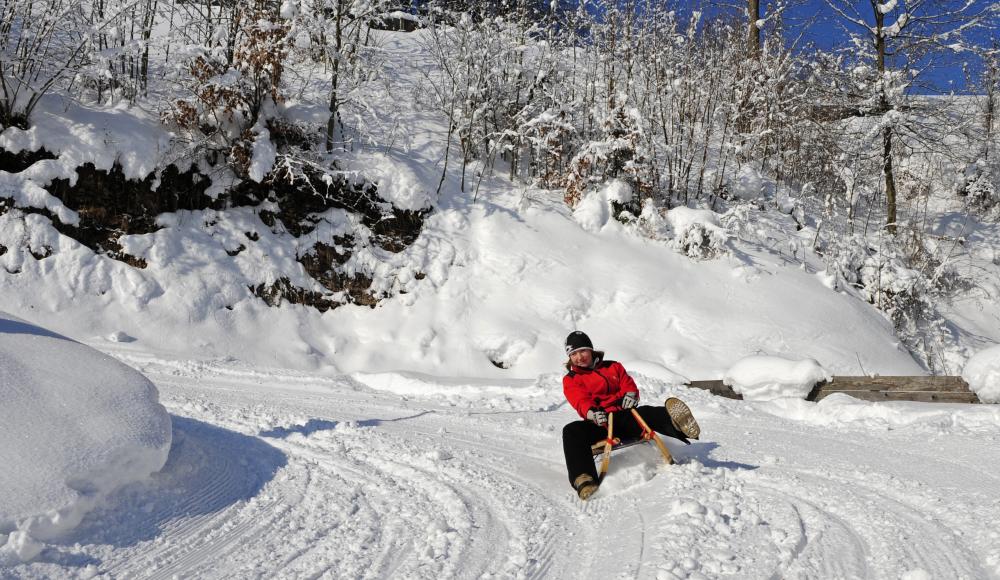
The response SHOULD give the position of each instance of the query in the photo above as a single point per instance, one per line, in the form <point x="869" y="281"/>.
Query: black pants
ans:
<point x="579" y="436"/>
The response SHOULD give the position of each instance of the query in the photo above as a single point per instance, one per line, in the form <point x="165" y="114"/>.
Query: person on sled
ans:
<point x="596" y="388"/>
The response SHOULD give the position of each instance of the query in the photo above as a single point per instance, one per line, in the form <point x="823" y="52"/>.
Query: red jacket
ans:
<point x="602" y="386"/>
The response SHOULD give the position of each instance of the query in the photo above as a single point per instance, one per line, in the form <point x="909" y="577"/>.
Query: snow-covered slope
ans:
<point x="75" y="424"/>
<point x="495" y="278"/>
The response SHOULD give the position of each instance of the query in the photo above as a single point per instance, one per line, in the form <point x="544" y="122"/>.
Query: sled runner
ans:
<point x="612" y="443"/>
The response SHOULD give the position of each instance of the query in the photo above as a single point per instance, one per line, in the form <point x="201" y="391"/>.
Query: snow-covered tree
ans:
<point x="893" y="47"/>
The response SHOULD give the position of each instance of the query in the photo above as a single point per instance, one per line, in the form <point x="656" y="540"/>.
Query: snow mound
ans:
<point x="593" y="212"/>
<point x="765" y="378"/>
<point x="982" y="372"/>
<point x="397" y="183"/>
<point x="682" y="218"/>
<point x="74" y="425"/>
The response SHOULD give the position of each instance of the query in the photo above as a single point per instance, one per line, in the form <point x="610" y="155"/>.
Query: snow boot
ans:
<point x="681" y="417"/>
<point x="585" y="486"/>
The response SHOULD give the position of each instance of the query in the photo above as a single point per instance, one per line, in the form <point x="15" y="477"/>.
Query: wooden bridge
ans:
<point x="927" y="389"/>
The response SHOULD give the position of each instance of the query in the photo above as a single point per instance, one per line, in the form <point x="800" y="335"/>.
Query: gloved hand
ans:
<point x="630" y="401"/>
<point x="598" y="416"/>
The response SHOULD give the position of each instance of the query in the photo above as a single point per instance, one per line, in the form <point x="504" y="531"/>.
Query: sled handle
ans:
<point x="652" y="435"/>
<point x="607" y="446"/>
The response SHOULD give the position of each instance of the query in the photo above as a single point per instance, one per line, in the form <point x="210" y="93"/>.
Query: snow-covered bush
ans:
<point x="41" y="45"/>
<point x="618" y="153"/>
<point x="697" y="233"/>
<point x="906" y="285"/>
<point x="983" y="196"/>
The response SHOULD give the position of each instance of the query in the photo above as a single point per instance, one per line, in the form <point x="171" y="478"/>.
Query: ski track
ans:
<point x="286" y="475"/>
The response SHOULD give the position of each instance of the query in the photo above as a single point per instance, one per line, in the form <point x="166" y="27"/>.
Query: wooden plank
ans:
<point x="893" y="383"/>
<point x="716" y="388"/>
<point x="930" y="389"/>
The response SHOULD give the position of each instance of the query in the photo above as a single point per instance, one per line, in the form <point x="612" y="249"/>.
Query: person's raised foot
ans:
<point x="681" y="417"/>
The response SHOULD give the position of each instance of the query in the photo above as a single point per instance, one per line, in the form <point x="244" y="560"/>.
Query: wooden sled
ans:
<point x="648" y="435"/>
<point x="598" y="448"/>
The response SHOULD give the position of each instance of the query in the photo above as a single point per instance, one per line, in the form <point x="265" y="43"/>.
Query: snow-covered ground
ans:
<point x="280" y="474"/>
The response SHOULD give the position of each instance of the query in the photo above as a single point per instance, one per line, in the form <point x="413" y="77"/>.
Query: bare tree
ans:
<point x="41" y="44"/>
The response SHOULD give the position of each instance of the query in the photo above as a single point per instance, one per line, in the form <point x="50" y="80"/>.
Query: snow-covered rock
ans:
<point x="75" y="424"/>
<point x="764" y="378"/>
<point x="982" y="372"/>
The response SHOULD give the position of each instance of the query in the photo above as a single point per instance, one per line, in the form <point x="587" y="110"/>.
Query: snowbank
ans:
<point x="765" y="378"/>
<point x="74" y="425"/>
<point x="839" y="411"/>
<point x="982" y="372"/>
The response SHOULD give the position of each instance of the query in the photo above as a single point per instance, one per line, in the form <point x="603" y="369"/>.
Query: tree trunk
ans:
<point x="338" y="39"/>
<point x="890" y="180"/>
<point x="753" y="32"/>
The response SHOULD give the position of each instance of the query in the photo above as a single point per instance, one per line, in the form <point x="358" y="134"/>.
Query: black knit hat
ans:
<point x="577" y="341"/>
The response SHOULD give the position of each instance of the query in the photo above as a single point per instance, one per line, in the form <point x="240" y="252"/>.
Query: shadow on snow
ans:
<point x="702" y="451"/>
<point x="16" y="327"/>
<point x="208" y="470"/>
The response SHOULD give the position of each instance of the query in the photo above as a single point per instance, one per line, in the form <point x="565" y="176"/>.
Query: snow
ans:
<point x="397" y="183"/>
<point x="421" y="438"/>
<point x="263" y="155"/>
<point x="618" y="190"/>
<point x="897" y="26"/>
<point x="982" y="372"/>
<point x="887" y="7"/>
<point x="469" y="392"/>
<point x="593" y="211"/>
<point x="764" y="378"/>
<point x="683" y="218"/>
<point x="75" y="425"/>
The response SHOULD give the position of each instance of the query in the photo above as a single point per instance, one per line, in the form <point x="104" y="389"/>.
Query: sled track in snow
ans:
<point x="347" y="501"/>
<point x="273" y="476"/>
<point x="867" y="535"/>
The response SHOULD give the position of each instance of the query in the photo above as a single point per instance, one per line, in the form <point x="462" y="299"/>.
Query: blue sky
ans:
<point x="825" y="29"/>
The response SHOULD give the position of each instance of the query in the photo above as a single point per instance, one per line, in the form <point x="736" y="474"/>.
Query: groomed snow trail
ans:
<point x="288" y="475"/>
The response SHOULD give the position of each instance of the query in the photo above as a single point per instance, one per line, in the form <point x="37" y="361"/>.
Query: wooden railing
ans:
<point x="928" y="389"/>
